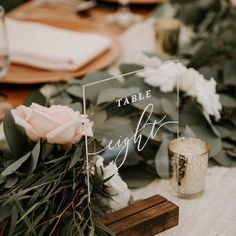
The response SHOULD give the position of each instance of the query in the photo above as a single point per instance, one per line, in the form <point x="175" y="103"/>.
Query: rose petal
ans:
<point x="38" y="107"/>
<point x="63" y="134"/>
<point x="42" y="122"/>
<point x="31" y="133"/>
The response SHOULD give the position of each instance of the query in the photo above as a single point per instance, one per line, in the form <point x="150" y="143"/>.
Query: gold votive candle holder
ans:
<point x="188" y="166"/>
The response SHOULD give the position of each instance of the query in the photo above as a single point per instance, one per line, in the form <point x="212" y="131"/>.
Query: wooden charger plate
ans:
<point x="138" y="1"/>
<point x="20" y="74"/>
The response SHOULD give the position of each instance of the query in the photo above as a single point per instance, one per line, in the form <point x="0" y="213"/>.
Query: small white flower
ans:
<point x="116" y="186"/>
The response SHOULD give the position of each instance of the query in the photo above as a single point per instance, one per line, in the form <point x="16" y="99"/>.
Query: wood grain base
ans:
<point x="144" y="218"/>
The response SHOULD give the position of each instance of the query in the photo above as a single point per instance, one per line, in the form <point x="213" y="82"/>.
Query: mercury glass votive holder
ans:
<point x="188" y="166"/>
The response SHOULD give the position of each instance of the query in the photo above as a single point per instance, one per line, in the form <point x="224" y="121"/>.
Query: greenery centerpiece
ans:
<point x="44" y="174"/>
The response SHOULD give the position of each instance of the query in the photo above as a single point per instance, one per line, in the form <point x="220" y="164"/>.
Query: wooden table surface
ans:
<point x="32" y="10"/>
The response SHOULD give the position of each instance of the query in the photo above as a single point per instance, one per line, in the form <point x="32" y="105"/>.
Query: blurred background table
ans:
<point x="33" y="10"/>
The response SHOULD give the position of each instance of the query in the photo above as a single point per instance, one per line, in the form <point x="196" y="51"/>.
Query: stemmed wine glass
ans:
<point x="124" y="16"/>
<point x="4" y="51"/>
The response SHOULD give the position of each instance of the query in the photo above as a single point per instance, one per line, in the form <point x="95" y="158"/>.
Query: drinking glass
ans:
<point x="4" y="51"/>
<point x="188" y="166"/>
<point x="124" y="16"/>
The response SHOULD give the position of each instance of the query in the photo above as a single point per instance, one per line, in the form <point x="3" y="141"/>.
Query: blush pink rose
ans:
<point x="56" y="124"/>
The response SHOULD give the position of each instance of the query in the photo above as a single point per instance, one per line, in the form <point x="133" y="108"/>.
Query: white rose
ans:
<point x="56" y="124"/>
<point x="169" y="74"/>
<point x="194" y="84"/>
<point x="163" y="76"/>
<point x="205" y="93"/>
<point x="116" y="186"/>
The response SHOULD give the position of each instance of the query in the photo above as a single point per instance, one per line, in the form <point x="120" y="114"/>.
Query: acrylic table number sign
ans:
<point x="127" y="115"/>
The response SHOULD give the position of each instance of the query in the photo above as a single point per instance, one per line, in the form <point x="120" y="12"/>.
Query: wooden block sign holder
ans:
<point x="143" y="218"/>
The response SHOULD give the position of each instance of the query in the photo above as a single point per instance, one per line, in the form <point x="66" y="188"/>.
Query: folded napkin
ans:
<point x="52" y="48"/>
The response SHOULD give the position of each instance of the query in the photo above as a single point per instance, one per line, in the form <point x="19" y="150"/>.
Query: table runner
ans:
<point x="214" y="212"/>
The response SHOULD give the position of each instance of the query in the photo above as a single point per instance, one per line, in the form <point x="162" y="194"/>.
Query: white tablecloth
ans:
<point x="214" y="213"/>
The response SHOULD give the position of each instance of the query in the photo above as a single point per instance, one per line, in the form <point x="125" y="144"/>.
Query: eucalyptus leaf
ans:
<point x="47" y="149"/>
<point x="98" y="117"/>
<point x="188" y="132"/>
<point x="104" y="229"/>
<point x="75" y="90"/>
<point x="169" y="108"/>
<point x="95" y="77"/>
<point x="224" y="132"/>
<point x="16" y="140"/>
<point x="32" y="208"/>
<point x="213" y="128"/>
<point x="209" y="72"/>
<point x="231" y="80"/>
<point x="62" y="99"/>
<point x="111" y="94"/>
<point x="227" y="101"/>
<point x="15" y="165"/>
<point x="142" y="104"/>
<point x="14" y="217"/>
<point x="11" y="181"/>
<point x="162" y="159"/>
<point x="5" y="212"/>
<point x="75" y="157"/>
<point x="191" y="114"/>
<point x="232" y="153"/>
<point x="132" y="157"/>
<point x="2" y="179"/>
<point x="34" y="157"/>
<point x="95" y="85"/>
<point x="4" y="145"/>
<point x="114" y="129"/>
<point x="148" y="130"/>
<point x="227" y="145"/>
<point x="233" y="135"/>
<point x="26" y="219"/>
<point x="35" y="97"/>
<point x="134" y="179"/>
<point x="92" y="231"/>
<point x="208" y="136"/>
<point x="225" y="160"/>
<point x="229" y="73"/>
<point x="130" y="68"/>
<point x="76" y="106"/>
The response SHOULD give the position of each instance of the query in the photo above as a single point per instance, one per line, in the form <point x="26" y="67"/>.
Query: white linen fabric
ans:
<point x="47" y="47"/>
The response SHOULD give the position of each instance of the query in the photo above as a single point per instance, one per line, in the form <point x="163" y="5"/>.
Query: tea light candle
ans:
<point x="188" y="165"/>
